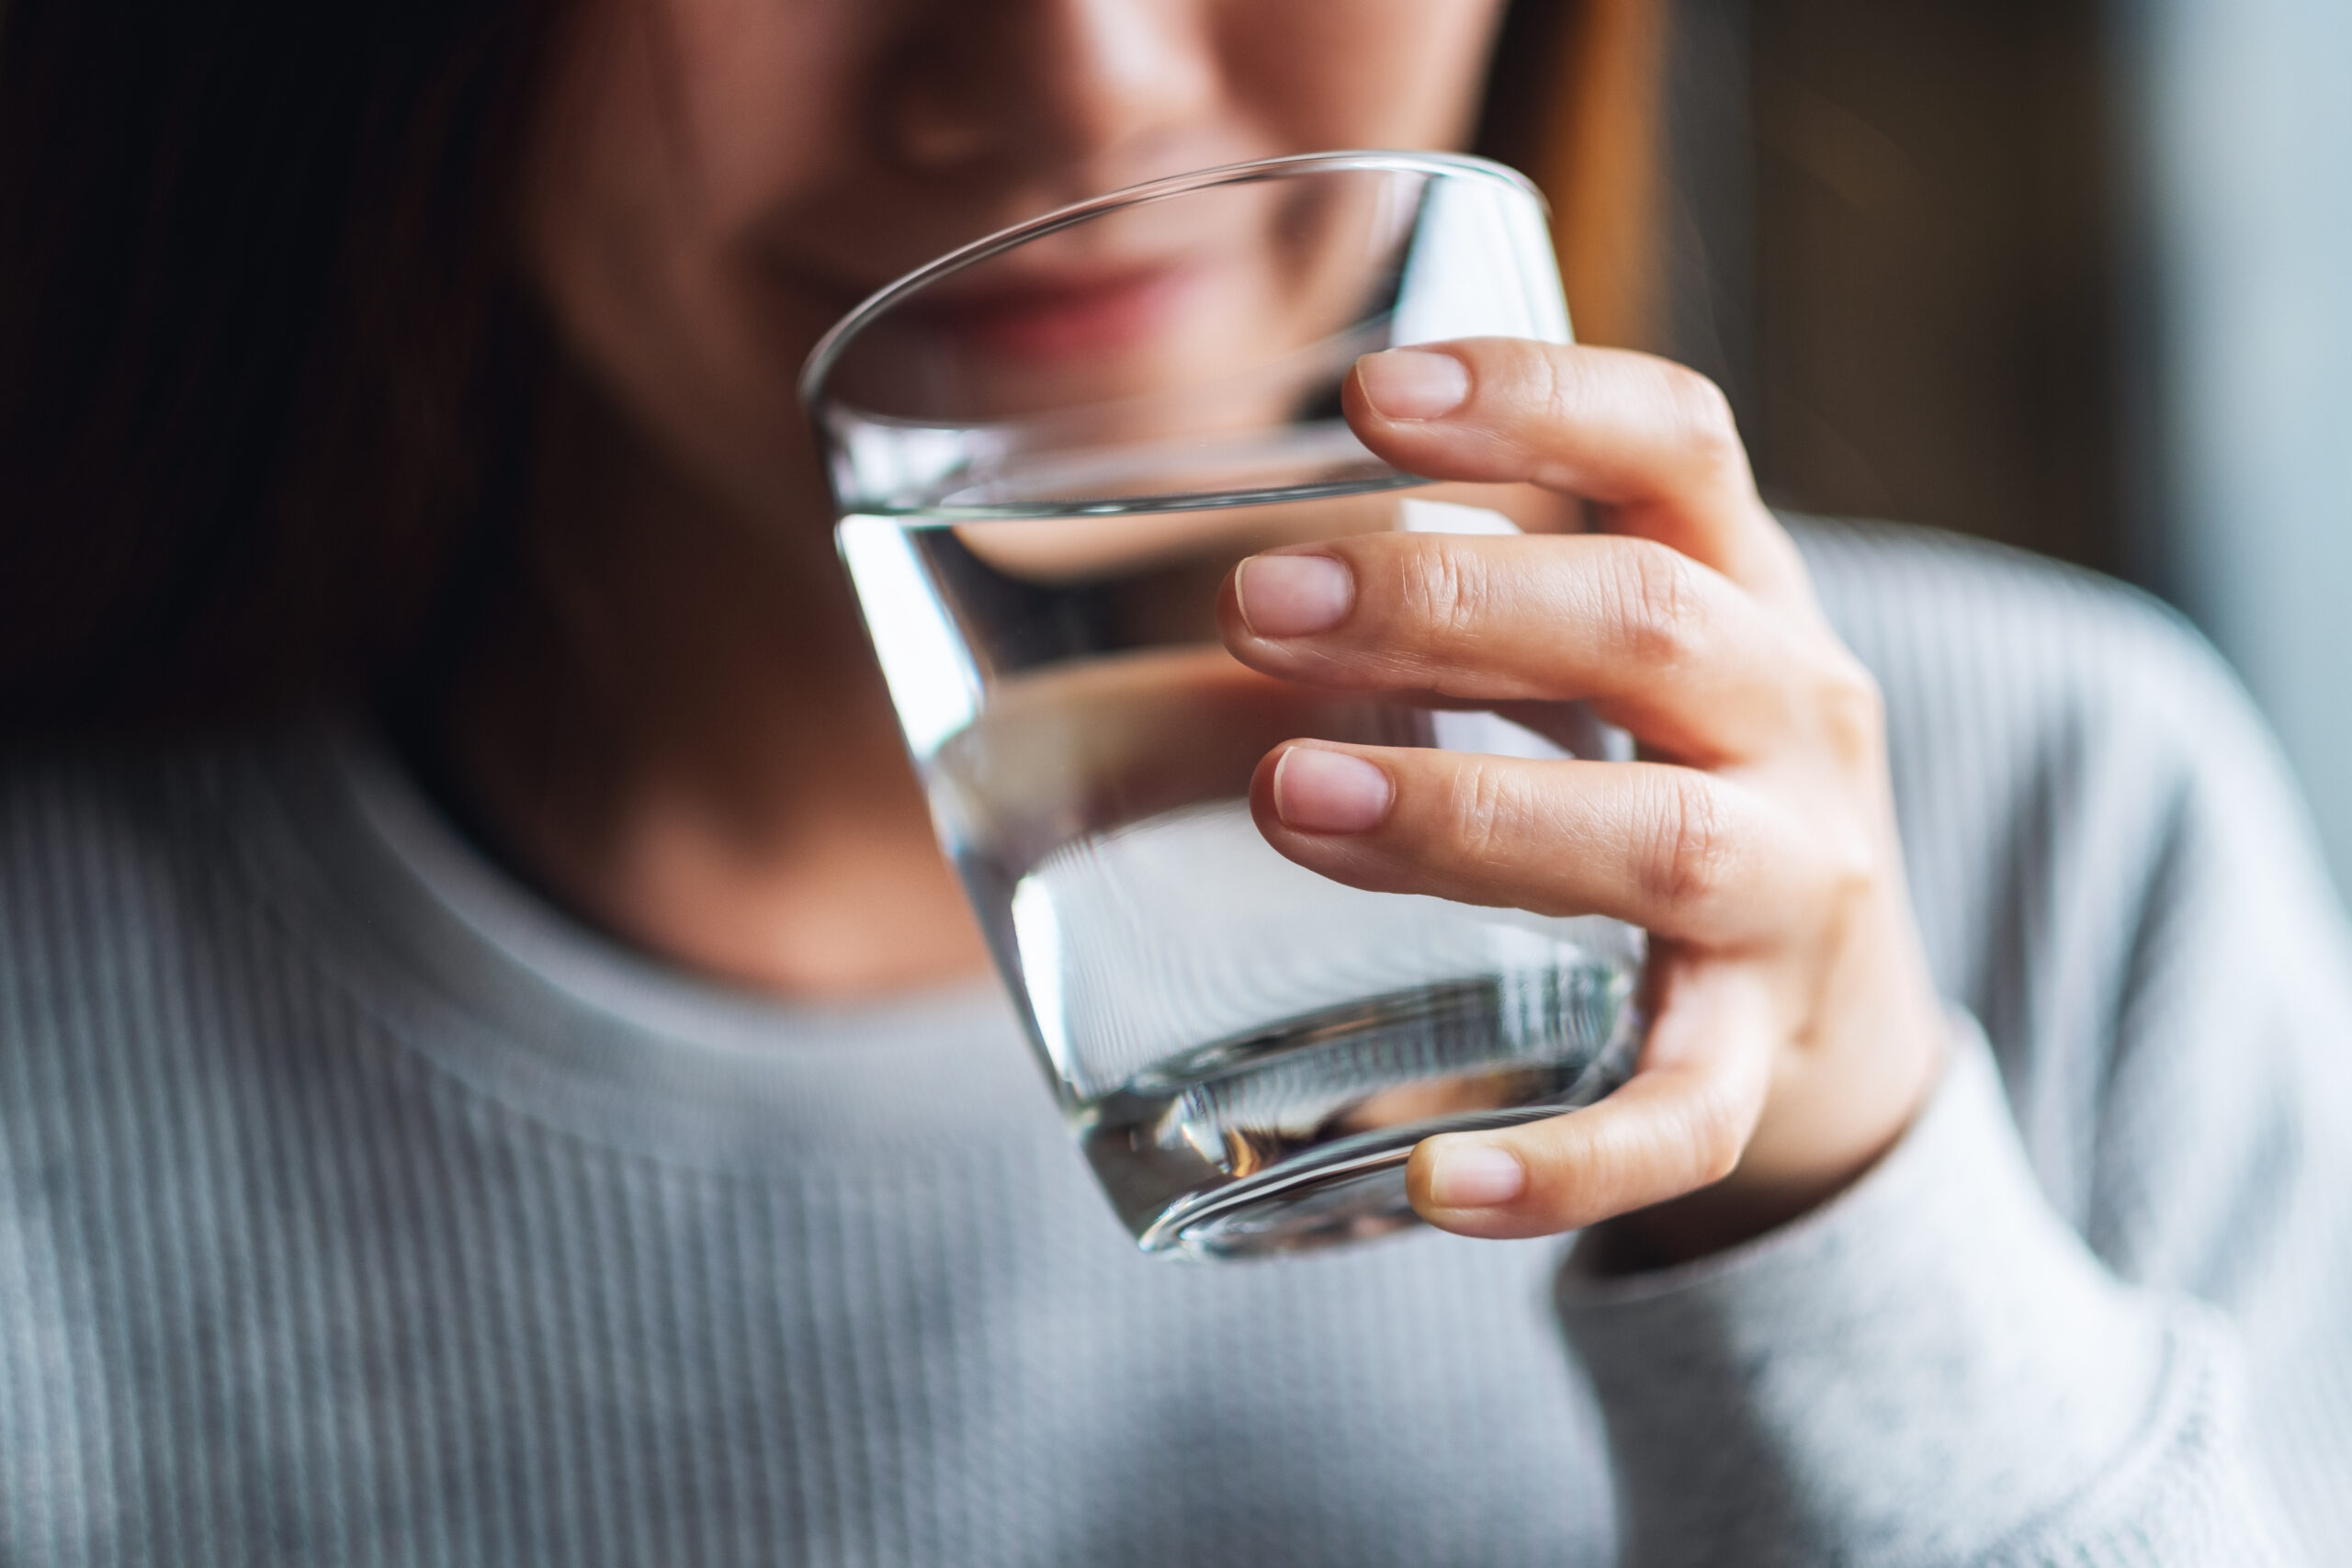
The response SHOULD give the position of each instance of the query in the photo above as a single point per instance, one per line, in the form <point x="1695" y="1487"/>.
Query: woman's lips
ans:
<point x="1048" y="319"/>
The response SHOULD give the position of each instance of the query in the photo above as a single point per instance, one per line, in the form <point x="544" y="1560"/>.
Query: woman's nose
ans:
<point x="1051" y="83"/>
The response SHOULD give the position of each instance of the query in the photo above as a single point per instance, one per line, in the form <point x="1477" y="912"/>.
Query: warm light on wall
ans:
<point x="1599" y="152"/>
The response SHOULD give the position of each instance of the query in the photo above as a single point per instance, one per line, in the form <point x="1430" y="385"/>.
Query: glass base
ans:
<point x="1296" y="1137"/>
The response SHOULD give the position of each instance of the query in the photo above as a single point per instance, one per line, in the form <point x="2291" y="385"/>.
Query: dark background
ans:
<point x="1891" y="238"/>
<point x="2075" y="276"/>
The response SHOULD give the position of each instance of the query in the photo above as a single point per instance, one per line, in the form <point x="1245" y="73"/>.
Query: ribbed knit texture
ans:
<point x="354" y="1208"/>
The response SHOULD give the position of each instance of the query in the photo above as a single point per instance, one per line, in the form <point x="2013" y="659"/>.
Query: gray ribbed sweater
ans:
<point x="356" y="1209"/>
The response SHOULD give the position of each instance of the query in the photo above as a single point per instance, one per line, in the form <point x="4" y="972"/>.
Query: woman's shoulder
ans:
<point x="2004" y="672"/>
<point x="1940" y="617"/>
<point x="2008" y="676"/>
<point x="73" y="810"/>
<point x="2081" y="783"/>
<point x="117" y="858"/>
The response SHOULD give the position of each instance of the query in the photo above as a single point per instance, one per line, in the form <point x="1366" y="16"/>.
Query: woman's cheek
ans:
<point x="1359" y="72"/>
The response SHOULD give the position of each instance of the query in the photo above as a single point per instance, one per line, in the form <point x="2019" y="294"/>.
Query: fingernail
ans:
<point x="1408" y="383"/>
<point x="1475" y="1176"/>
<point x="1291" y="595"/>
<point x="1329" y="792"/>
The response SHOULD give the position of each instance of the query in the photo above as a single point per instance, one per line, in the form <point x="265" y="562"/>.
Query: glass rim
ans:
<point x="830" y="348"/>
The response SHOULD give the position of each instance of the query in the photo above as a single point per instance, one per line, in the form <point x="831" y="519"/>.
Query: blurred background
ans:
<point x="2075" y="275"/>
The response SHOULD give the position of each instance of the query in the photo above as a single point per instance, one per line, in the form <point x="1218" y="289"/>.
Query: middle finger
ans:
<point x="1658" y="643"/>
<point x="1686" y="855"/>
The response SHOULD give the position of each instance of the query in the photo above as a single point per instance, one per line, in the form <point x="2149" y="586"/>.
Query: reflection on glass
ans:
<point x="1048" y="454"/>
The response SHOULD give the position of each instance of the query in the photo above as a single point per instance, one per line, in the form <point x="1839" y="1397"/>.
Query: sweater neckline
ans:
<point x="463" y="965"/>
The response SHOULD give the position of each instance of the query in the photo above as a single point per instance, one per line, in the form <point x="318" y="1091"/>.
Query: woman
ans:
<point x="576" y="1127"/>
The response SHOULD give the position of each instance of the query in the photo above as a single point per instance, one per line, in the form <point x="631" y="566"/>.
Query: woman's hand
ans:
<point x="1795" y="1030"/>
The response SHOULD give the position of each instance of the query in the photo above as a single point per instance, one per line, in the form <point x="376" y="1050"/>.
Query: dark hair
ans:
<point x="259" y="357"/>
<point x="267" y="378"/>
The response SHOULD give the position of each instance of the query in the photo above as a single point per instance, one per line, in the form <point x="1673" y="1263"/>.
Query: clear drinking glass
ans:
<point x="1047" y="450"/>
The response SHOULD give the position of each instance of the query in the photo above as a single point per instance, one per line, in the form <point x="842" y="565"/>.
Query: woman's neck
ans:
<point x="681" y="735"/>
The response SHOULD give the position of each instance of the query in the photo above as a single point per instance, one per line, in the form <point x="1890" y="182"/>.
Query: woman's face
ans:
<point x="713" y="182"/>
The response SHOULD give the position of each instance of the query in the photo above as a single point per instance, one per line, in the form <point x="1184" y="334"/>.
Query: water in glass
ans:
<point x="1245" y="1050"/>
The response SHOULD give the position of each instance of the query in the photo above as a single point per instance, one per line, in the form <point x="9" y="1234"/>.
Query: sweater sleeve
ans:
<point x="1931" y="1369"/>
<point x="2097" y="1306"/>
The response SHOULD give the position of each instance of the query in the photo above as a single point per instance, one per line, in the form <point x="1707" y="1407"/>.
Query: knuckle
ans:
<point x="1702" y="416"/>
<point x="1851" y="870"/>
<point x="1718" y="1138"/>
<point x="1692" y="851"/>
<point x="1656" y="604"/>
<point x="1852" y="714"/>
<point x="1486" y="810"/>
<point x="1445" y="589"/>
<point x="1552" y="382"/>
<point x="1711" y="1129"/>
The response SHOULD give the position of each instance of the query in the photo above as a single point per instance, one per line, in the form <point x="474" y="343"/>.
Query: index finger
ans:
<point x="1650" y="440"/>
